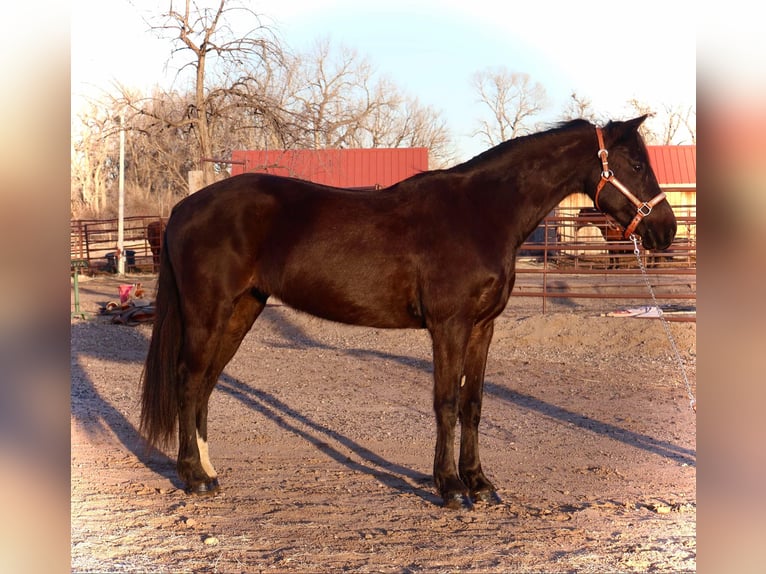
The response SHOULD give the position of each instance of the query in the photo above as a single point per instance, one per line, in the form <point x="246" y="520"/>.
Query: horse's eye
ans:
<point x="637" y="167"/>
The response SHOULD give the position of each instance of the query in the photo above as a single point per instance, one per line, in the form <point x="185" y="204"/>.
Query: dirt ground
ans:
<point x="323" y="437"/>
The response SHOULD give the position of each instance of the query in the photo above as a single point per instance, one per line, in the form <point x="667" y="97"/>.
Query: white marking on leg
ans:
<point x="462" y="381"/>
<point x="204" y="457"/>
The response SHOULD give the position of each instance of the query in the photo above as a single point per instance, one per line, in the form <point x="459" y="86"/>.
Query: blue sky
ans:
<point x="607" y="52"/>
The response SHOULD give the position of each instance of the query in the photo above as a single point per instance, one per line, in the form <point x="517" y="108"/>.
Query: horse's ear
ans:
<point x="619" y="130"/>
<point x="635" y="123"/>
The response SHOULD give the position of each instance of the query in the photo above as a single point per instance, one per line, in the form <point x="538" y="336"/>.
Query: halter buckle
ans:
<point x="644" y="209"/>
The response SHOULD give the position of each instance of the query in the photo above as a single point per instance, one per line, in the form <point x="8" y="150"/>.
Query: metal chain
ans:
<point x="637" y="253"/>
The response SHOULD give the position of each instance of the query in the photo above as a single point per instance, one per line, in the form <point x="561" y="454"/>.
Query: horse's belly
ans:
<point x="371" y="305"/>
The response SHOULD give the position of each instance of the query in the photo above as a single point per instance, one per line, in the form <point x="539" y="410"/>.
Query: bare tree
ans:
<point x="260" y="112"/>
<point x="335" y="93"/>
<point x="672" y="125"/>
<point x="205" y="41"/>
<point x="579" y="107"/>
<point x="679" y="125"/>
<point x="690" y="123"/>
<point x="92" y="155"/>
<point x="429" y="130"/>
<point x="411" y="124"/>
<point x="161" y="152"/>
<point x="156" y="155"/>
<point x="245" y="94"/>
<point x="341" y="102"/>
<point x="513" y="100"/>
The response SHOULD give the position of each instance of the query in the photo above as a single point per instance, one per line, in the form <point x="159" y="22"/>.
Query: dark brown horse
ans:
<point x="618" y="247"/>
<point x="154" y="234"/>
<point x="436" y="251"/>
<point x="616" y="244"/>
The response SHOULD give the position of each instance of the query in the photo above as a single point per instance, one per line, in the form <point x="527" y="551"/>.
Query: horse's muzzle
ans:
<point x="658" y="237"/>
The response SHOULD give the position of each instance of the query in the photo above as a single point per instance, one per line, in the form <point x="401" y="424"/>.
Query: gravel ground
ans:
<point x="323" y="438"/>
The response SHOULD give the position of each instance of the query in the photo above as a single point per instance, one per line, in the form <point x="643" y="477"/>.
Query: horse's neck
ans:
<point x="524" y="185"/>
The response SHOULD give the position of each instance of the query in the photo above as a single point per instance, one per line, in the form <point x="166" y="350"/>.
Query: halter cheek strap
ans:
<point x="643" y="208"/>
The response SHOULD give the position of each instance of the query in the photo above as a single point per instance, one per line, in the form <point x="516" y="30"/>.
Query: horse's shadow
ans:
<point x="393" y="475"/>
<point x="101" y="415"/>
<point x="295" y="337"/>
<point x="645" y="442"/>
<point x="96" y="415"/>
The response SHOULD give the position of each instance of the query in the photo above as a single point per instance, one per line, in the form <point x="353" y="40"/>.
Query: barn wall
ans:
<point x="338" y="167"/>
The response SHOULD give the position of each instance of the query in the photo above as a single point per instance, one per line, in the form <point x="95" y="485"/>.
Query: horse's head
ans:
<point x="627" y="188"/>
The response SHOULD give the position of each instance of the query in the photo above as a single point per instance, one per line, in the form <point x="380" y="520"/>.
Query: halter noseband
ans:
<point x="643" y="208"/>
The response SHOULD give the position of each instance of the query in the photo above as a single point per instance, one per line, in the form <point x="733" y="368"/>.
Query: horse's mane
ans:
<point x="501" y="149"/>
<point x="508" y="145"/>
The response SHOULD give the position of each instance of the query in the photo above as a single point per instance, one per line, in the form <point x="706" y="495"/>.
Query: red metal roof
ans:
<point x="339" y="167"/>
<point x="674" y="164"/>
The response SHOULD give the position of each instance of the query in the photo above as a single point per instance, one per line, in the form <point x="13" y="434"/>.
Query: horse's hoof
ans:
<point x="204" y="488"/>
<point x="488" y="497"/>
<point x="458" y="501"/>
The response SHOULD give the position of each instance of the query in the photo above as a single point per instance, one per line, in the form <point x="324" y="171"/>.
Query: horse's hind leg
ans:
<point x="199" y="348"/>
<point x="212" y="337"/>
<point x="246" y="311"/>
<point x="471" y="392"/>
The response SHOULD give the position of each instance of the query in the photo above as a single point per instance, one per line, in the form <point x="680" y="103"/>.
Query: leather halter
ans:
<point x="643" y="208"/>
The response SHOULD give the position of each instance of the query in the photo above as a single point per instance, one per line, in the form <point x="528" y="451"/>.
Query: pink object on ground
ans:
<point x="125" y="292"/>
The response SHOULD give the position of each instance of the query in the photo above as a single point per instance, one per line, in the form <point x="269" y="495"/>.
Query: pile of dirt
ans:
<point x="586" y="335"/>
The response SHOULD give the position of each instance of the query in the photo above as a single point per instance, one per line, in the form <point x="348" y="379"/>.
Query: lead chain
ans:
<point x="637" y="253"/>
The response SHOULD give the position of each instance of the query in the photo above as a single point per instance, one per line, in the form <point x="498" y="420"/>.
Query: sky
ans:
<point x="609" y="53"/>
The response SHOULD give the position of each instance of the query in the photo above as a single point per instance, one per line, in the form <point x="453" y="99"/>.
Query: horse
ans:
<point x="612" y="234"/>
<point x="154" y="235"/>
<point x="617" y="245"/>
<point x="435" y="251"/>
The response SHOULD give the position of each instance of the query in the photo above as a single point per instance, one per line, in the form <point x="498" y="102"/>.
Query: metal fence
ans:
<point x="567" y="258"/>
<point x="570" y="257"/>
<point x="94" y="241"/>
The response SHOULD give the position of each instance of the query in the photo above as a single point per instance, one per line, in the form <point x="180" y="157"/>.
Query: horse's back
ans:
<point x="342" y="255"/>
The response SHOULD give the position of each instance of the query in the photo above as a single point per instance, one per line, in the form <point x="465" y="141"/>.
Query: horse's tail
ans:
<point x="160" y="379"/>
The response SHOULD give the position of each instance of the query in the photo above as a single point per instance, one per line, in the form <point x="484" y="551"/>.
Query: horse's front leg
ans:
<point x="471" y="393"/>
<point x="449" y="344"/>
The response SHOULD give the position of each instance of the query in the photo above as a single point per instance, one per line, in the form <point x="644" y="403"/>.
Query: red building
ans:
<point x="674" y="165"/>
<point x="375" y="167"/>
